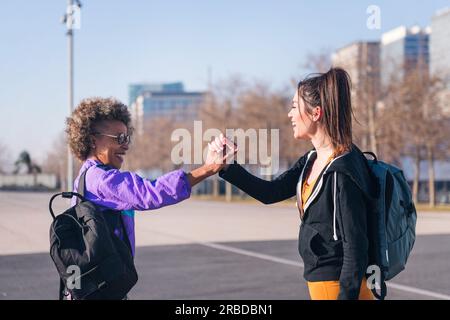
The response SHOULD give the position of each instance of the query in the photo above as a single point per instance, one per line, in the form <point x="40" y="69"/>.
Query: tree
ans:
<point x="152" y="148"/>
<point x="436" y="130"/>
<point x="25" y="160"/>
<point x="220" y="111"/>
<point x="414" y="124"/>
<point x="364" y="70"/>
<point x="318" y="61"/>
<point x="56" y="161"/>
<point x="264" y="108"/>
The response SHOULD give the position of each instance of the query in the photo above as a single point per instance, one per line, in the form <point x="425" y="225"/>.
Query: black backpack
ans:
<point x="82" y="239"/>
<point x="393" y="224"/>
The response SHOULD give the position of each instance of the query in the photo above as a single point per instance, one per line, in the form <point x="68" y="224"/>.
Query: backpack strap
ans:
<point x="370" y="153"/>
<point x="82" y="181"/>
<point x="80" y="191"/>
<point x="62" y="288"/>
<point x="63" y="293"/>
<point x="383" y="291"/>
<point x="125" y="235"/>
<point x="81" y="184"/>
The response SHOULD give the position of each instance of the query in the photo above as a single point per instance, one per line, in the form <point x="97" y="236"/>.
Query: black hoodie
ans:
<point x="333" y="243"/>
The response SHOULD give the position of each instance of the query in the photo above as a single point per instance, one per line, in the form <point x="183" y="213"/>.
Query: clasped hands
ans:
<point x="220" y="151"/>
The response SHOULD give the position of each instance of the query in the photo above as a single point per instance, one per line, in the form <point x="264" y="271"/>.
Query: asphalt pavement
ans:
<point x="206" y="250"/>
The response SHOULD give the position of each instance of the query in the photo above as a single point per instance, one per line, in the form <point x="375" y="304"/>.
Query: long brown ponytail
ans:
<point x="331" y="91"/>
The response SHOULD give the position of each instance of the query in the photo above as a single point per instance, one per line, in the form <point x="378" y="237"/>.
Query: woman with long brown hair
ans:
<point x="333" y="186"/>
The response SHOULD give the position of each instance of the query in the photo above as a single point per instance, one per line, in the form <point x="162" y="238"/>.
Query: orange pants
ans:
<point x="329" y="290"/>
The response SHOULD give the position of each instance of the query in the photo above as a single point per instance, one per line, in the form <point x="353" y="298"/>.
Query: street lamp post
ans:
<point x="69" y="20"/>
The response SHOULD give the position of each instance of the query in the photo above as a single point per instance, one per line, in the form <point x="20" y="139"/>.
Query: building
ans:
<point x="439" y="52"/>
<point x="403" y="49"/>
<point x="135" y="90"/>
<point x="163" y="100"/>
<point x="362" y="61"/>
<point x="440" y="42"/>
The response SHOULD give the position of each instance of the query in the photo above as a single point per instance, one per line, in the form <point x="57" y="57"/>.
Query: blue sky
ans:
<point x="122" y="42"/>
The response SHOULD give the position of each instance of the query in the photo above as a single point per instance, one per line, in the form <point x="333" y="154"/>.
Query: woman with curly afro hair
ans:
<point x="99" y="132"/>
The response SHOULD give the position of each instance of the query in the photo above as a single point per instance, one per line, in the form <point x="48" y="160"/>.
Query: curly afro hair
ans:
<point x="90" y="111"/>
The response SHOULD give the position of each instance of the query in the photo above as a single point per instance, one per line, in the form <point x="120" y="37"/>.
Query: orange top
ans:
<point x="308" y="188"/>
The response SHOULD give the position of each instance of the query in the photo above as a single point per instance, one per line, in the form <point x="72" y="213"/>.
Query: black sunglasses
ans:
<point x="121" y="138"/>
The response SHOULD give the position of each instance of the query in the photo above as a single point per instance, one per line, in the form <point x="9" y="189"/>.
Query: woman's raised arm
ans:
<point x="281" y="188"/>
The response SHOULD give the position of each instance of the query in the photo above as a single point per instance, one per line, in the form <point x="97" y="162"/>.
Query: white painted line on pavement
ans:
<point x="252" y="254"/>
<point x="418" y="291"/>
<point x="298" y="264"/>
<point x="301" y="265"/>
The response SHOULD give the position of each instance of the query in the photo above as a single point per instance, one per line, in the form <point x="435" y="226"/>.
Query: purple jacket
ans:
<point x="126" y="191"/>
